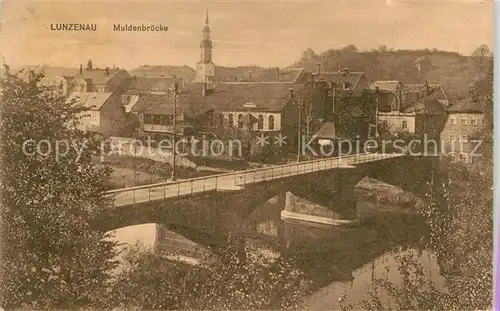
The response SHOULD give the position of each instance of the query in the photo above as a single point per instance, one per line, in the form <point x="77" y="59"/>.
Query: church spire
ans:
<point x="205" y="69"/>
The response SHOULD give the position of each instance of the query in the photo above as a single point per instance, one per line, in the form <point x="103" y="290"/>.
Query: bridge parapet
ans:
<point x="235" y="181"/>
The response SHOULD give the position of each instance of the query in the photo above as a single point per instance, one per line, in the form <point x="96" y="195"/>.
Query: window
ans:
<point x="452" y="138"/>
<point x="473" y="121"/>
<point x="462" y="157"/>
<point x="271" y="123"/>
<point x="463" y="121"/>
<point x="483" y="121"/>
<point x="230" y="120"/>
<point x="221" y="120"/>
<point x="240" y="121"/>
<point x="404" y="124"/>
<point x="157" y="119"/>
<point x="384" y="124"/>
<point x="261" y="122"/>
<point x="453" y="121"/>
<point x="463" y="138"/>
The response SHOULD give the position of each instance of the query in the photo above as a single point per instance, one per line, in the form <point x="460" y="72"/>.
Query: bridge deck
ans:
<point x="235" y="181"/>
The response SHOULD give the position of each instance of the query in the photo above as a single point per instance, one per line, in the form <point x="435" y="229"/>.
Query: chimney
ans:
<point x="346" y="71"/>
<point x="135" y="77"/>
<point x="277" y="73"/>
<point x="81" y="69"/>
<point x="290" y="93"/>
<point x="426" y="88"/>
<point x="318" y="68"/>
<point x="107" y="70"/>
<point x="377" y="89"/>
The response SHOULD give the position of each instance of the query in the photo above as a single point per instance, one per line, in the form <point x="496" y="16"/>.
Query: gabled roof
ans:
<point x="233" y="96"/>
<point x="91" y="100"/>
<point x="50" y="74"/>
<point x="244" y="96"/>
<point x="466" y="106"/>
<point x="163" y="105"/>
<point x="427" y="106"/>
<point x="352" y="78"/>
<point x="98" y="76"/>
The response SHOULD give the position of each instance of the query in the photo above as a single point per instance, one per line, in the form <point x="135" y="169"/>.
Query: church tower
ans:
<point x="205" y="69"/>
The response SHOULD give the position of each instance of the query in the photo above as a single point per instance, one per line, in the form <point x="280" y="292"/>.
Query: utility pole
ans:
<point x="377" y="101"/>
<point x="298" y="103"/>
<point x="176" y="98"/>
<point x="299" y="132"/>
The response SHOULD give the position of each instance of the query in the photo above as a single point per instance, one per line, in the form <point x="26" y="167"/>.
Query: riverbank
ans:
<point x="378" y="191"/>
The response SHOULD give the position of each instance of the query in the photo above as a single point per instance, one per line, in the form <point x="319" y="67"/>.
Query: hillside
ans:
<point x="450" y="69"/>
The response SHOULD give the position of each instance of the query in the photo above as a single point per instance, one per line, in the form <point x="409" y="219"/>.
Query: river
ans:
<point x="339" y="262"/>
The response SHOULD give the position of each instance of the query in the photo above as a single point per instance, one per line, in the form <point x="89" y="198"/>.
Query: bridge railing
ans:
<point x="299" y="168"/>
<point x="233" y="180"/>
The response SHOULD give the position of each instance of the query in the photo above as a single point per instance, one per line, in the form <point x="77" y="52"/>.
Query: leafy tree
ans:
<point x="459" y="216"/>
<point x="148" y="281"/>
<point x="382" y="48"/>
<point x="308" y="54"/>
<point x="52" y="256"/>
<point x="458" y="212"/>
<point x="351" y="48"/>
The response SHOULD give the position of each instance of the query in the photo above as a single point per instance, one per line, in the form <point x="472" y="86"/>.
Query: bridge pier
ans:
<point x="326" y="198"/>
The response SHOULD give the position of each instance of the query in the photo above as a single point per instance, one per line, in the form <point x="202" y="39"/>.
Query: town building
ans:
<point x="355" y="82"/>
<point x="253" y="107"/>
<point x="205" y="68"/>
<point x="105" y="114"/>
<point x="343" y="105"/>
<point x="87" y="79"/>
<point x="101" y="80"/>
<point x="415" y="109"/>
<point x="464" y="121"/>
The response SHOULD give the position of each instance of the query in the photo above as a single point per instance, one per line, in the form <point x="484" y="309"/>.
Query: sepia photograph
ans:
<point x="247" y="155"/>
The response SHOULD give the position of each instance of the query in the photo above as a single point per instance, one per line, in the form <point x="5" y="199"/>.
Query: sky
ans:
<point x="243" y="33"/>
